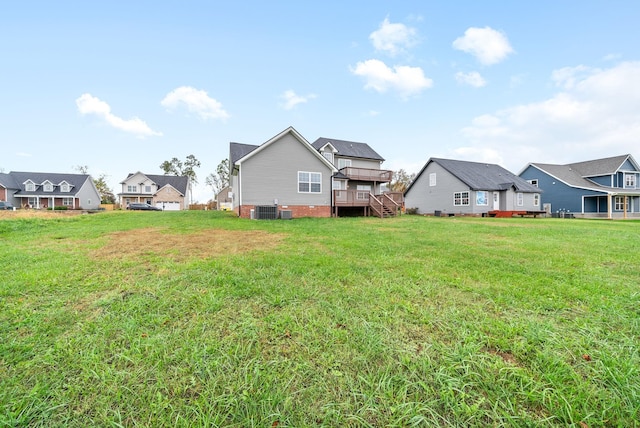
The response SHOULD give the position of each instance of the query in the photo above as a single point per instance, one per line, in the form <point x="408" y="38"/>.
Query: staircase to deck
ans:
<point x="383" y="206"/>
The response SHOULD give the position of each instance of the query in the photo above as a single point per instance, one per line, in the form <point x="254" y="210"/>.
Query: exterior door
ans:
<point x="496" y="200"/>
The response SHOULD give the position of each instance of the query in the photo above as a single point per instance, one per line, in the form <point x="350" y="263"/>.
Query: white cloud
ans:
<point x="196" y="101"/>
<point x="405" y="80"/>
<point x="393" y="38"/>
<point x="291" y="99"/>
<point x="486" y="44"/>
<point x="88" y="104"/>
<point x="472" y="78"/>
<point x="594" y="115"/>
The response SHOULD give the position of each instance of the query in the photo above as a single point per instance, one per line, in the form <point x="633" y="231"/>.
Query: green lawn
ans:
<point x="202" y="319"/>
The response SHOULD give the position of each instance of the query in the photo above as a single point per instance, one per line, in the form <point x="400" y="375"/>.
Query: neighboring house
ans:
<point x="453" y="187"/>
<point x="608" y="187"/>
<point x="44" y="190"/>
<point x="169" y="192"/>
<point x="288" y="175"/>
<point x="224" y="199"/>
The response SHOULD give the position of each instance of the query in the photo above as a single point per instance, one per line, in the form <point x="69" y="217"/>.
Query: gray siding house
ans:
<point x="328" y="177"/>
<point x="168" y="192"/>
<point x="453" y="187"/>
<point x="43" y="190"/>
<point x="607" y="187"/>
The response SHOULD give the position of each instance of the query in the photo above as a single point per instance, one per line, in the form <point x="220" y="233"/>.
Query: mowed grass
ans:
<point x="202" y="319"/>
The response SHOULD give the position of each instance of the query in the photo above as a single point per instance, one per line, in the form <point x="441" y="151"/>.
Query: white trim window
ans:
<point x="48" y="186"/>
<point x="343" y="163"/>
<point x="30" y="186"/>
<point x="536" y="199"/>
<point x="328" y="156"/>
<point x="362" y="192"/>
<point x="520" y="199"/>
<point x="619" y="203"/>
<point x="629" y="181"/>
<point x="132" y="188"/>
<point x="67" y="202"/>
<point x="481" y="198"/>
<point x="432" y="179"/>
<point x="147" y="188"/>
<point x="309" y="182"/>
<point x="64" y="187"/>
<point x="461" y="199"/>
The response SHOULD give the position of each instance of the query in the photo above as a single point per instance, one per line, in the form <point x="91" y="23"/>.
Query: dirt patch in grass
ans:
<point x="202" y="244"/>
<point x="9" y="215"/>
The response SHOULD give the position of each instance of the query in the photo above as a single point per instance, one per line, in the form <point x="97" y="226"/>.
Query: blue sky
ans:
<point x="122" y="86"/>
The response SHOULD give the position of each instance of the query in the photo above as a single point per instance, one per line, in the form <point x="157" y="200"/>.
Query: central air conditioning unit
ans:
<point x="266" y="212"/>
<point x="286" y="214"/>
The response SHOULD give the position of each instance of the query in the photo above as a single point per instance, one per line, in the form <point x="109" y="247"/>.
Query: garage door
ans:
<point x="168" y="206"/>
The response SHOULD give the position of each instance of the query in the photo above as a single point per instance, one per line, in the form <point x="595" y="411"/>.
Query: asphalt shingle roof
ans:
<point x="485" y="176"/>
<point x="238" y="151"/>
<point x="20" y="178"/>
<point x="180" y="183"/>
<point x="349" y="148"/>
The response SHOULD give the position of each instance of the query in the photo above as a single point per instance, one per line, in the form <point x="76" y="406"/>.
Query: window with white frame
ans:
<point x="630" y="181"/>
<point x="309" y="182"/>
<point x="619" y="203"/>
<point x="132" y="188"/>
<point x="343" y="163"/>
<point x="363" y="191"/>
<point x="520" y="199"/>
<point x="536" y="199"/>
<point x="432" y="179"/>
<point x="48" y="187"/>
<point x="33" y="202"/>
<point x="147" y="189"/>
<point x="461" y="199"/>
<point x="328" y="156"/>
<point x="481" y="198"/>
<point x="339" y="185"/>
<point x="64" y="187"/>
<point x="30" y="186"/>
<point x="67" y="202"/>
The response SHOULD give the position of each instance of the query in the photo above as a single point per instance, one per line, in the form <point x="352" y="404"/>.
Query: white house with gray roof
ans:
<point x="454" y="187"/>
<point x="607" y="187"/>
<point x="169" y="192"/>
<point x="329" y="177"/>
<point x="44" y="190"/>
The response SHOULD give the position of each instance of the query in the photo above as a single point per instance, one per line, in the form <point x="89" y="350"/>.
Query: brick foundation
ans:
<point x="297" y="211"/>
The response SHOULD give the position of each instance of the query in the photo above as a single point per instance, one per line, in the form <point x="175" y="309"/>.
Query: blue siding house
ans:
<point x="608" y="187"/>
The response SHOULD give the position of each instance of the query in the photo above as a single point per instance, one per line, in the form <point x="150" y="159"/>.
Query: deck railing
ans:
<point x="367" y="174"/>
<point x="362" y="198"/>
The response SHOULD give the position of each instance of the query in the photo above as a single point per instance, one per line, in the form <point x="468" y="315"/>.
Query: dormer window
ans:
<point x="30" y="186"/>
<point x="47" y="186"/>
<point x="328" y="156"/>
<point x="630" y="181"/>
<point x="64" y="187"/>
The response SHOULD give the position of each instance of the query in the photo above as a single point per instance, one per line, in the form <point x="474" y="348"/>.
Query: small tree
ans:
<point x="106" y="195"/>
<point x="220" y="179"/>
<point x="179" y="168"/>
<point x="401" y="180"/>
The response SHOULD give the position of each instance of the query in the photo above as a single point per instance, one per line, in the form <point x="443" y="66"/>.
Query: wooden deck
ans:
<point x="508" y="214"/>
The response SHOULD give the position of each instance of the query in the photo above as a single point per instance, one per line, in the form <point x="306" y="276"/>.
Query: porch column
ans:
<point x="609" y="207"/>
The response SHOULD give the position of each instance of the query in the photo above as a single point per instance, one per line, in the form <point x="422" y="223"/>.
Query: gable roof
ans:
<point x="348" y="148"/>
<point x="7" y="181"/>
<point x="239" y="150"/>
<point x="76" y="181"/>
<point x="289" y="130"/>
<point x="576" y="174"/>
<point x="481" y="176"/>
<point x="179" y="182"/>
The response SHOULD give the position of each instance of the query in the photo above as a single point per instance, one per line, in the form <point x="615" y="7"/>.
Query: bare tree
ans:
<point x="220" y="179"/>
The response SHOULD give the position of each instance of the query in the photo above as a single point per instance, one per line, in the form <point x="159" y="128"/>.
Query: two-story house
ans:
<point x="608" y="187"/>
<point x="288" y="175"/>
<point x="168" y="192"/>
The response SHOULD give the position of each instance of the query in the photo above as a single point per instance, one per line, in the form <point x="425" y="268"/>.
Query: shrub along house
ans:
<point x="44" y="190"/>
<point x="453" y="187"/>
<point x="288" y="177"/>
<point x="607" y="187"/>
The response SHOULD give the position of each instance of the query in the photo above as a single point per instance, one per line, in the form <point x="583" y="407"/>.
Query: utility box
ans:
<point x="286" y="214"/>
<point x="266" y="212"/>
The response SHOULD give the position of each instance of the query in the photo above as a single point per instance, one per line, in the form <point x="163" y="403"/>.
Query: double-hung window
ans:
<point x="461" y="199"/>
<point x="520" y="199"/>
<point x="132" y="188"/>
<point x="309" y="182"/>
<point x="630" y="181"/>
